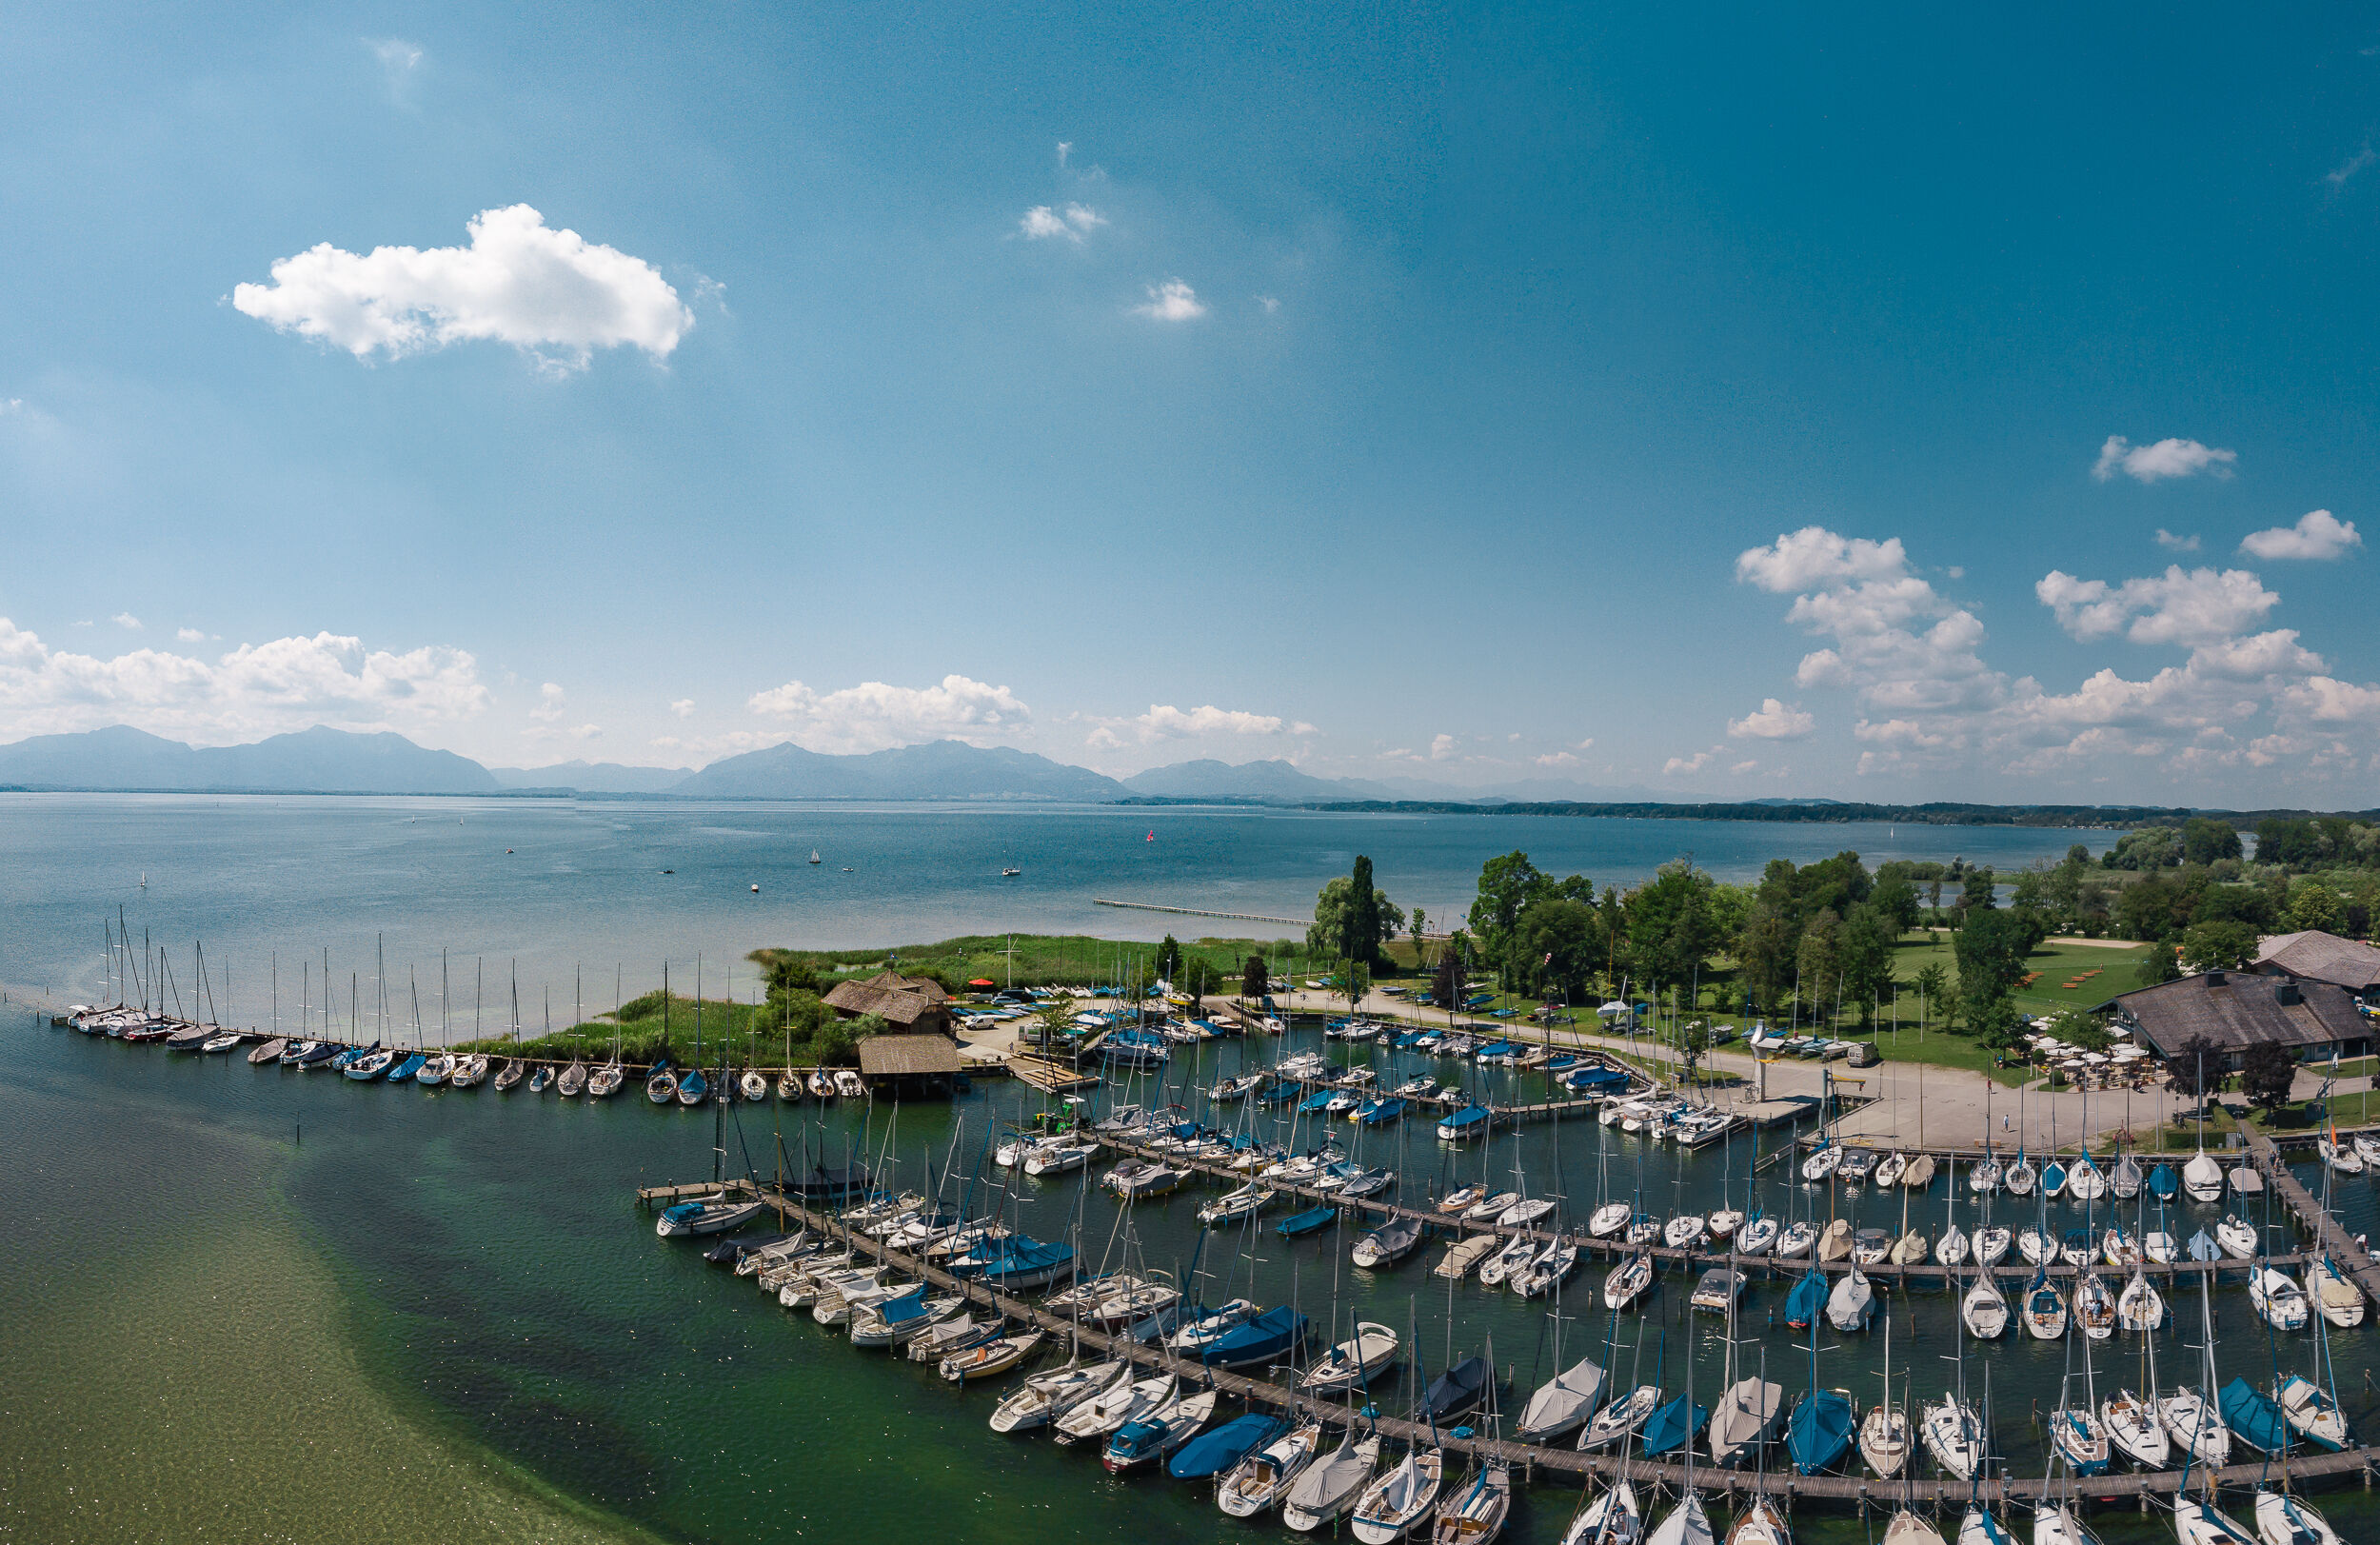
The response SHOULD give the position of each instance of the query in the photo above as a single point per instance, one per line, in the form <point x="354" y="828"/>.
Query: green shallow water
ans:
<point x="440" y="1315"/>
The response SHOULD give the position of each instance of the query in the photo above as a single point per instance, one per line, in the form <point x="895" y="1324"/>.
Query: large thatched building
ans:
<point x="917" y="1052"/>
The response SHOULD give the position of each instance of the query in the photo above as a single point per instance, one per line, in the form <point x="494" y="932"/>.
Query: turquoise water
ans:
<point x="496" y="1311"/>
<point x="501" y="1285"/>
<point x="566" y="891"/>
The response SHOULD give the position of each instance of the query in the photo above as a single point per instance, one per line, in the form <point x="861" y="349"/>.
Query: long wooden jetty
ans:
<point x="1530" y="1460"/>
<point x="1685" y="1257"/>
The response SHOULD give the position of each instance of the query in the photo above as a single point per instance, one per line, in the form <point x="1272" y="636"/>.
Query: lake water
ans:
<point x="254" y="1304"/>
<point x="574" y="893"/>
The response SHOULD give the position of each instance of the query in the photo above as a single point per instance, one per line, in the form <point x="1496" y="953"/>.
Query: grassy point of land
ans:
<point x="1039" y="960"/>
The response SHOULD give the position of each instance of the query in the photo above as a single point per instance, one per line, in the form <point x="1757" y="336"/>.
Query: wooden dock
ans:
<point x="1049" y="1074"/>
<point x="2010" y="1269"/>
<point x="1566" y="1463"/>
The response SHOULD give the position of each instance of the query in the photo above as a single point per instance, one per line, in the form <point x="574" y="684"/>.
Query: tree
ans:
<point x="1255" y="980"/>
<point x="1866" y="957"/>
<point x="1561" y="941"/>
<point x="1895" y="900"/>
<point x="2158" y="966"/>
<point x="1995" y="1021"/>
<point x="1168" y="958"/>
<point x="1449" y="985"/>
<point x="2265" y="1072"/>
<point x="1931" y="981"/>
<point x="787" y="974"/>
<point x="2314" y="904"/>
<point x="1339" y="928"/>
<point x="1054" y="1019"/>
<point x="2196" y="1068"/>
<point x="1764" y="952"/>
<point x="2205" y="839"/>
<point x="1976" y="895"/>
<point x="1416" y="923"/>
<point x="2081" y="1031"/>
<point x="2218" y="947"/>
<point x="1508" y="883"/>
<point x="1991" y="949"/>
<point x="1671" y="929"/>
<point x="1197" y="978"/>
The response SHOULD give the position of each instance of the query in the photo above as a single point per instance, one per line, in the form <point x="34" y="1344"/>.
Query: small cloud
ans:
<point x="1442" y="747"/>
<point x="1172" y="301"/>
<point x="1773" y="721"/>
<point x="1270" y="303"/>
<point x="2165" y="459"/>
<point x="682" y="708"/>
<point x="193" y="635"/>
<point x="125" y="619"/>
<point x="1558" y="759"/>
<point x="395" y="54"/>
<point x="2318" y="535"/>
<point x="1074" y="222"/>
<point x="11" y="404"/>
<point x="1164" y="722"/>
<point x="1104" y="739"/>
<point x="1689" y="765"/>
<point x="1587" y="744"/>
<point x="1065" y="149"/>
<point x="1956" y="572"/>
<point x="549" y="703"/>
<point x="2173" y="543"/>
<point x="2338" y="176"/>
<point x="551" y="294"/>
<point x="1742" y="767"/>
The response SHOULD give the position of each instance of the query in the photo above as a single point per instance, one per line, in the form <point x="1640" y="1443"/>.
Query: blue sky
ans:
<point x="1716" y="401"/>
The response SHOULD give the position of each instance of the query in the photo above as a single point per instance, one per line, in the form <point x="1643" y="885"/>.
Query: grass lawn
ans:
<point x="1040" y="959"/>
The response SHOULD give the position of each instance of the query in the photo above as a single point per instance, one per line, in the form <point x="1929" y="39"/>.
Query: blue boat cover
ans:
<point x="1210" y="1454"/>
<point x="1302" y="1224"/>
<point x="1807" y="1301"/>
<point x="1672" y="1426"/>
<point x="1266" y="1336"/>
<point x="2163" y="1182"/>
<point x="1818" y="1431"/>
<point x="2254" y="1415"/>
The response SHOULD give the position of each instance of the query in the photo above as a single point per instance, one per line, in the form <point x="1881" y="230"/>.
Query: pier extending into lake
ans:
<point x="1531" y="1461"/>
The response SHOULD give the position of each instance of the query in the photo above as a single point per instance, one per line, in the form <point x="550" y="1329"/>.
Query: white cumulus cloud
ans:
<point x="874" y="716"/>
<point x="1072" y="221"/>
<point x="2318" y="535"/>
<point x="550" y="704"/>
<point x="256" y="689"/>
<point x="1814" y="556"/>
<point x="1164" y="722"/>
<point x="551" y="292"/>
<point x="2179" y="607"/>
<point x="2175" y="544"/>
<point x="2164" y="459"/>
<point x="1689" y="765"/>
<point x="1172" y="301"/>
<point x="682" y="708"/>
<point x="1773" y="721"/>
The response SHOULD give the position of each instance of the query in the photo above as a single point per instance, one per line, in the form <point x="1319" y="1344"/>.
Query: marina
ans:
<point x="1217" y="1144"/>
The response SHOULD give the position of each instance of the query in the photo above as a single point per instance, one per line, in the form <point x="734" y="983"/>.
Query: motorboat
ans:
<point x="1855" y="1167"/>
<point x="1157" y="1434"/>
<point x="1719" y="1290"/>
<point x="2246" y="1182"/>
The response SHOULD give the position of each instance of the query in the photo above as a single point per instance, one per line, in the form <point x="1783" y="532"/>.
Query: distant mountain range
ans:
<point x="316" y="761"/>
<point x="336" y="761"/>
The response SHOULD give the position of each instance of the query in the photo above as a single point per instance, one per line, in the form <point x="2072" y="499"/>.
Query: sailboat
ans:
<point x="1325" y="1488"/>
<point x="1950" y="1428"/>
<point x="2187" y="1413"/>
<point x="1884" y="1433"/>
<point x="814" y="858"/>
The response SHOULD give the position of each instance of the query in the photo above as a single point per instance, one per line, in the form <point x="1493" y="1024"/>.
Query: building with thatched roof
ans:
<point x="905" y="1005"/>
<point x="916" y="1051"/>
<point x="2314" y="956"/>
<point x="2235" y="1010"/>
